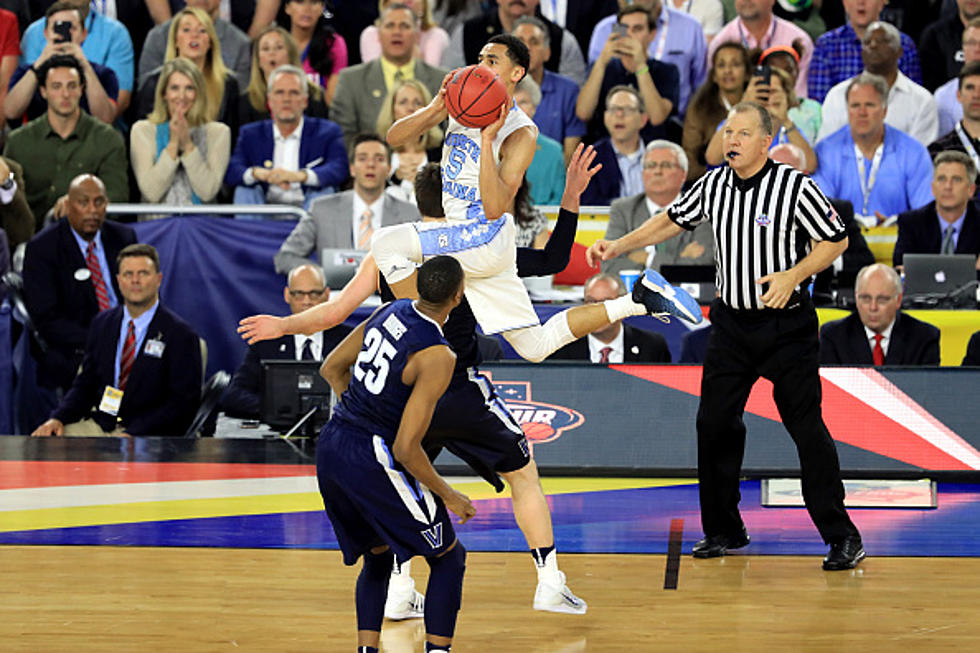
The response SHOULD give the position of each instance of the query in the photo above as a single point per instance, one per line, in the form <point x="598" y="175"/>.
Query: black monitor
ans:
<point x="290" y="388"/>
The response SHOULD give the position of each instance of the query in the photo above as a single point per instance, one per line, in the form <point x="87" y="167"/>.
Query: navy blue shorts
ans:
<point x="472" y="422"/>
<point x="372" y="501"/>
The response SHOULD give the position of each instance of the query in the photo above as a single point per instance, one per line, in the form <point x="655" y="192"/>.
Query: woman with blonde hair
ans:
<point x="192" y="36"/>
<point x="433" y="40"/>
<point x="274" y="47"/>
<point x="402" y="100"/>
<point x="179" y="156"/>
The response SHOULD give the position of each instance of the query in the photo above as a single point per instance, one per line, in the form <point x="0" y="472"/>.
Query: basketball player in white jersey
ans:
<point x="478" y="193"/>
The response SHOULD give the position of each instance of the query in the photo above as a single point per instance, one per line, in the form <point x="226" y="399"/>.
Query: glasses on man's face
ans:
<point x="626" y="111"/>
<point x="877" y="299"/>
<point x="305" y="294"/>
<point x="666" y="166"/>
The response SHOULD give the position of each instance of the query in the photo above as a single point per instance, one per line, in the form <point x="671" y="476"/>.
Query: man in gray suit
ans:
<point x="236" y="48"/>
<point x="664" y="171"/>
<point x="361" y="89"/>
<point x="349" y="219"/>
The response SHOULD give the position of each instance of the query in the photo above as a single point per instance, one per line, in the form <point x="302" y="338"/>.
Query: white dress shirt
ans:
<point x="377" y="209"/>
<point x="596" y="346"/>
<point x="654" y="209"/>
<point x="885" y="340"/>
<point x="316" y="348"/>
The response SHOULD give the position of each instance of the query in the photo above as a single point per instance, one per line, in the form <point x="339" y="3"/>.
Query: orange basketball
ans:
<point x="474" y="96"/>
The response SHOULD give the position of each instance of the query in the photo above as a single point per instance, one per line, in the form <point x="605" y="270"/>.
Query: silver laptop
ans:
<point x="340" y="265"/>
<point x="931" y="274"/>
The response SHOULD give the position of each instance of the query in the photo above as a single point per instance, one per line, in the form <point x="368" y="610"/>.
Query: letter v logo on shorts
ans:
<point x="433" y="536"/>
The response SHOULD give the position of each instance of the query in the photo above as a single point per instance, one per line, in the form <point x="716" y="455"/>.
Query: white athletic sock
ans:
<point x="401" y="577"/>
<point x="548" y="572"/>
<point x="617" y="309"/>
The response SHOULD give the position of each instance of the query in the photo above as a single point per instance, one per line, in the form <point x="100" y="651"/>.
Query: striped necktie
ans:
<point x="92" y="262"/>
<point x="948" y="246"/>
<point x="128" y="355"/>
<point x="365" y="230"/>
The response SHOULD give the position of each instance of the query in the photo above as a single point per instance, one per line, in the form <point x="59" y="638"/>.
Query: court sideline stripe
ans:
<point x="673" y="566"/>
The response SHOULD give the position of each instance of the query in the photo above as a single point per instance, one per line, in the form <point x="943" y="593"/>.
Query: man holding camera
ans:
<point x="64" y="33"/>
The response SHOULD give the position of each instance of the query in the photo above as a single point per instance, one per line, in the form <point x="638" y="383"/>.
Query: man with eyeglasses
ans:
<point x="621" y="152"/>
<point x="305" y="289"/>
<point x="879" y="334"/>
<point x="664" y="172"/>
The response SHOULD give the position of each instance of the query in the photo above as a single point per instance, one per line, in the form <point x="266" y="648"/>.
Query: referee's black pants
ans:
<point x="781" y="346"/>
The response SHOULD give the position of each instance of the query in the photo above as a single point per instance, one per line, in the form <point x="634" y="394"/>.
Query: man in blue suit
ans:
<point x="289" y="159"/>
<point x="142" y="370"/>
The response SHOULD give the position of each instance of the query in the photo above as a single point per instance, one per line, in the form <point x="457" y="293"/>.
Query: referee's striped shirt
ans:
<point x="761" y="225"/>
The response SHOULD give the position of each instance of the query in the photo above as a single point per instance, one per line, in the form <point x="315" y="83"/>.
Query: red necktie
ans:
<point x="128" y="354"/>
<point x="604" y="354"/>
<point x="878" y="353"/>
<point x="92" y="262"/>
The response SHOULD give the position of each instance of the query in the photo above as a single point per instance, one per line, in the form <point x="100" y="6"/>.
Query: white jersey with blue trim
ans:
<point x="461" y="164"/>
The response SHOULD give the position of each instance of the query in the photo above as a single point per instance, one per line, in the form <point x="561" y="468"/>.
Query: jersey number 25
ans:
<point x="377" y="354"/>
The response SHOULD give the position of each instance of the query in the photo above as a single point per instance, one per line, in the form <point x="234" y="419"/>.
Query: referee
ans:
<point x="773" y="231"/>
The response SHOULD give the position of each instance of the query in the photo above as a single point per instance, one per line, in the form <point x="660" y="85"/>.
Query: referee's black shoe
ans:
<point x="661" y="298"/>
<point x="845" y="555"/>
<point x="715" y="546"/>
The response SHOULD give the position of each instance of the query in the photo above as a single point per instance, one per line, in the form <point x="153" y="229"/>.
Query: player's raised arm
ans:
<point x="410" y="128"/>
<point x="317" y="318"/>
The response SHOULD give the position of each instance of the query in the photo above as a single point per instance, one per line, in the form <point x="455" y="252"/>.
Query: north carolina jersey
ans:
<point x="376" y="397"/>
<point x="461" y="164"/>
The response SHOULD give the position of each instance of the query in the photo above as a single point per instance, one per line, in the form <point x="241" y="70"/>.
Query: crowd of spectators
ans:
<point x="184" y="102"/>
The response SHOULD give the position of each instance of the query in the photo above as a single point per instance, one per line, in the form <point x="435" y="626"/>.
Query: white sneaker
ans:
<point x="552" y="598"/>
<point x="411" y="606"/>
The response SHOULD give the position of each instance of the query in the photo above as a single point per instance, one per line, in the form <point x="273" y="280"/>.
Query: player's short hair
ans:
<point x="536" y="22"/>
<point x="368" y="138"/>
<point x="516" y="50"/>
<point x="877" y="82"/>
<point x="765" y="120"/>
<point x="439" y="279"/>
<point x="955" y="156"/>
<point x="428" y="191"/>
<point x="969" y="70"/>
<point x="139" y="249"/>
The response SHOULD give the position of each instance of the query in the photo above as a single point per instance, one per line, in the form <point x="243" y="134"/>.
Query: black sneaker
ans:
<point x="715" y="546"/>
<point x="844" y="555"/>
<point x="661" y="298"/>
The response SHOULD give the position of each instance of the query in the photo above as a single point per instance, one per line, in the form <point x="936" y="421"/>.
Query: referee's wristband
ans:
<point x="644" y="70"/>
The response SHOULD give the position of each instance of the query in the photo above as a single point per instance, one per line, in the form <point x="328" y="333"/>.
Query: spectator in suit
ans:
<point x="348" y="220"/>
<point x="433" y="40"/>
<point x="624" y="61"/>
<point x="192" y="36"/>
<point x="964" y="134"/>
<point x="879" y="334"/>
<point x="306" y="287"/>
<point x="941" y="44"/>
<point x="65" y="142"/>
<point x="555" y="114"/>
<point x="972" y="357"/>
<point x="911" y="108"/>
<point x="289" y="159"/>
<point x="24" y="101"/>
<point x="892" y="173"/>
<point x="179" y="157"/>
<point x="142" y="370"/>
<point x="235" y="44"/>
<point x="546" y="174"/>
<point x="466" y="40"/>
<point x="617" y="342"/>
<point x="678" y="39"/>
<point x="107" y="43"/>
<point x="948" y="96"/>
<point x="16" y="218"/>
<point x="70" y="276"/>
<point x="274" y="47"/>
<point x="620" y="153"/>
<point x="664" y="171"/>
<point x="837" y="52"/>
<point x="323" y="50"/>
<point x="361" y="89"/>
<point x="950" y="224"/>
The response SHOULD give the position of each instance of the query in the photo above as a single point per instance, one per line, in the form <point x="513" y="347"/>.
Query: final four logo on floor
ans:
<point x="541" y="422"/>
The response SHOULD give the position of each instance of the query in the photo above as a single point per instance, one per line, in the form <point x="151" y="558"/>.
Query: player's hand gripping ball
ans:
<point x="475" y="95"/>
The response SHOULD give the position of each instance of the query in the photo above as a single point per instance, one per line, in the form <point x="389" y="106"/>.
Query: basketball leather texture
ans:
<point x="474" y="96"/>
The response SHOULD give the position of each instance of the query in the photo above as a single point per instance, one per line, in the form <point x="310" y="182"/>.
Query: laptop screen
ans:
<point x="340" y="265"/>
<point x="938" y="273"/>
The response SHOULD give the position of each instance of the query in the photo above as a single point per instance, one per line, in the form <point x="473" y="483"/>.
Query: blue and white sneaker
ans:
<point x="661" y="298"/>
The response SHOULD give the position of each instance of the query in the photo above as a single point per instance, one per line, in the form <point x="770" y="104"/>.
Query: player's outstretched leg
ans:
<point x="534" y="519"/>
<point x="654" y="292"/>
<point x="369" y="596"/>
<point x="444" y="595"/>
<point x="404" y="601"/>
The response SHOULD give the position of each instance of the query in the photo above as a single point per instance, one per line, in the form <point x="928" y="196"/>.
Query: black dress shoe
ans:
<point x="715" y="546"/>
<point x="844" y="555"/>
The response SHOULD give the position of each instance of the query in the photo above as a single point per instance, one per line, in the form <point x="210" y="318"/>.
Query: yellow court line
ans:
<point x="149" y="511"/>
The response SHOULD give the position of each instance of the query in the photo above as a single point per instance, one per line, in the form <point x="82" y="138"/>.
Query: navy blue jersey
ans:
<point x="376" y="397"/>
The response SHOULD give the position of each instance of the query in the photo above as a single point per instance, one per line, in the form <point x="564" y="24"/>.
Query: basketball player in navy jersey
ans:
<point x="381" y="493"/>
